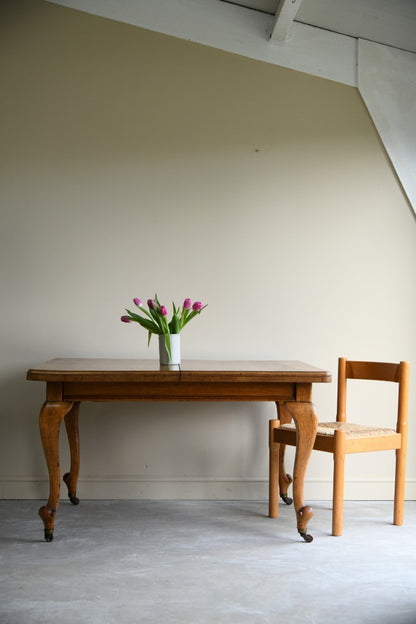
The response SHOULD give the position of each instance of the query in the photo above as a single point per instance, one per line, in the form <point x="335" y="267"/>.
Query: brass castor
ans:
<point x="285" y="498"/>
<point x="306" y="536"/>
<point x="48" y="535"/>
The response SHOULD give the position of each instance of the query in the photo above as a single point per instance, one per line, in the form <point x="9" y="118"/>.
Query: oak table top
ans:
<point x="113" y="369"/>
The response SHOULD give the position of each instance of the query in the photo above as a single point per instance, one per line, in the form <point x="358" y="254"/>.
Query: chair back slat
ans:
<point x="378" y="371"/>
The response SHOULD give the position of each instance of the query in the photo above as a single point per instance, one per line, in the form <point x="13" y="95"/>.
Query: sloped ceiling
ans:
<point x="389" y="22"/>
<point x="320" y="37"/>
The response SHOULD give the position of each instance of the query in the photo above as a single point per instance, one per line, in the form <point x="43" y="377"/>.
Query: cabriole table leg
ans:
<point x="285" y="479"/>
<point x="51" y="415"/>
<point x="71" y="478"/>
<point x="306" y="420"/>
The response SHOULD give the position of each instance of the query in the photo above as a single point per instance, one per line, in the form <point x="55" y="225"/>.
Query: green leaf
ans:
<point x="151" y="327"/>
<point x="174" y="325"/>
<point x="164" y="324"/>
<point x="147" y="324"/>
<point x="158" y="319"/>
<point x="183" y="318"/>
<point x="146" y="312"/>
<point x="167" y="345"/>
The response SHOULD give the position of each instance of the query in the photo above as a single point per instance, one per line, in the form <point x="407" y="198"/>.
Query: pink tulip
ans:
<point x="187" y="304"/>
<point x="152" y="304"/>
<point x="137" y="302"/>
<point x="197" y="306"/>
<point x="163" y="311"/>
<point x="126" y="319"/>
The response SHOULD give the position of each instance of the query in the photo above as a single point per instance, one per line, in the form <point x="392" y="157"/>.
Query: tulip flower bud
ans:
<point x="187" y="304"/>
<point x="137" y="302"/>
<point x="152" y="304"/>
<point x="197" y="306"/>
<point x="163" y="311"/>
<point x="126" y="319"/>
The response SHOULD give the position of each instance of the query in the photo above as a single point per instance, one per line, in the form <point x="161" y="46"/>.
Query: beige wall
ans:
<point x="131" y="163"/>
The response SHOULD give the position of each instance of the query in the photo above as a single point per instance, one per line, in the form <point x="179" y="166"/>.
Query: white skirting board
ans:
<point x="194" y="489"/>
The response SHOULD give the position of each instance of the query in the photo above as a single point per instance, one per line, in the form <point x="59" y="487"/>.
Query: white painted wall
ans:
<point x="133" y="162"/>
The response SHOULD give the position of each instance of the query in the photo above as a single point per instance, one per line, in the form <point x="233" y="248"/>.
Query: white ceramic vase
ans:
<point x="175" y="348"/>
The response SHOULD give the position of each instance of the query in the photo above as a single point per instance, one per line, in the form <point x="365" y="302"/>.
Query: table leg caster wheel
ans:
<point x="286" y="499"/>
<point x="72" y="497"/>
<point x="306" y="536"/>
<point x="48" y="535"/>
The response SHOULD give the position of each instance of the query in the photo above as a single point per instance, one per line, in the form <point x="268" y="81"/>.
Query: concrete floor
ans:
<point x="200" y="562"/>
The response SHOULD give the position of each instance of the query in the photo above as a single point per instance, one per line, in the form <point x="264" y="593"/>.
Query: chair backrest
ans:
<point x="378" y="371"/>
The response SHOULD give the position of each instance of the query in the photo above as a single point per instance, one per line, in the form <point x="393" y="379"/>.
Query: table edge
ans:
<point x="189" y="371"/>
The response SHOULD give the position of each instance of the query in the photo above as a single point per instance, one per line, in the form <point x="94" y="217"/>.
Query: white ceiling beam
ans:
<point x="283" y="22"/>
<point x="235" y="29"/>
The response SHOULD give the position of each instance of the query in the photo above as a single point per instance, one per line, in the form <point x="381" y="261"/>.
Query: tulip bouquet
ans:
<point x="156" y="321"/>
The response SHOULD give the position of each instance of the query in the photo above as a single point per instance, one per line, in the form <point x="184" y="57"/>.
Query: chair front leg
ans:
<point x="338" y="484"/>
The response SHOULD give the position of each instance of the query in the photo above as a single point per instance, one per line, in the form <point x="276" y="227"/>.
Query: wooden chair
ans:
<point x="342" y="437"/>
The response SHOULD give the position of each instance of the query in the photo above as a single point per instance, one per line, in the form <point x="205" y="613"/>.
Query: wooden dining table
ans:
<point x="71" y="381"/>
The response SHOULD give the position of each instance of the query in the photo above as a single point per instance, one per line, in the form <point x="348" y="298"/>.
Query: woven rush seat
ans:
<point x="352" y="430"/>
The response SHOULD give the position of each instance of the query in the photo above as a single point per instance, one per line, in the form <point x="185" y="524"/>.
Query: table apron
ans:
<point x="182" y="391"/>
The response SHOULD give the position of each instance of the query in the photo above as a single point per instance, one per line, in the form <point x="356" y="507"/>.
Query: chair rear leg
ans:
<point x="273" y="471"/>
